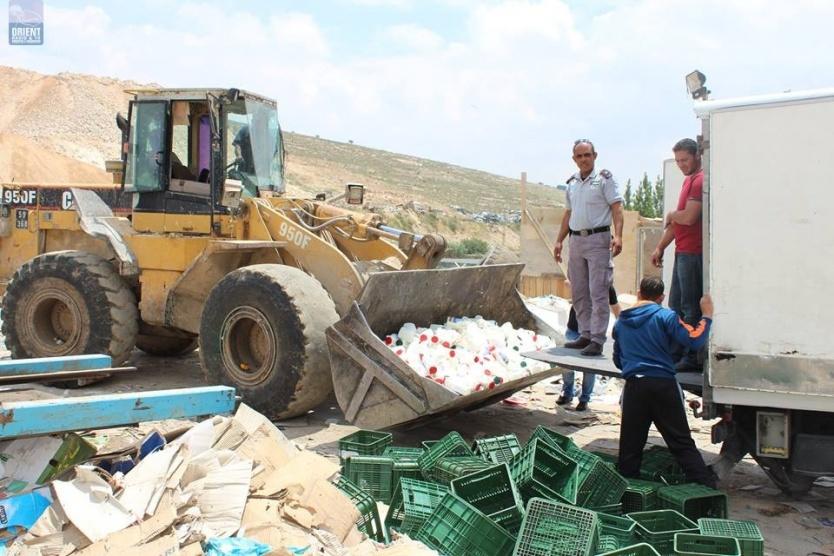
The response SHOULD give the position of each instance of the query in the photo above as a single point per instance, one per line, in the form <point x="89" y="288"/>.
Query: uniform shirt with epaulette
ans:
<point x="590" y="200"/>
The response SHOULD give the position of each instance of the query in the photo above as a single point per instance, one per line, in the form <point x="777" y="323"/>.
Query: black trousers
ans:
<point x="650" y="400"/>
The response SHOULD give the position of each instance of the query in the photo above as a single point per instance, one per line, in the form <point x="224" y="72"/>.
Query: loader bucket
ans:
<point x="374" y="387"/>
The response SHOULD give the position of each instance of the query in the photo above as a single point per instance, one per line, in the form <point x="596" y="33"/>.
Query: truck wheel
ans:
<point x="262" y="331"/>
<point x="166" y="346"/>
<point x="69" y="303"/>
<point x="790" y="482"/>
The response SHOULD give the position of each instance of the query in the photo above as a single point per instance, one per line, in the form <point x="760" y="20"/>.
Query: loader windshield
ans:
<point x="254" y="151"/>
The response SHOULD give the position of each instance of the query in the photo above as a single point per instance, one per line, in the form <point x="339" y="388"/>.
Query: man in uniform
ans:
<point x="683" y="226"/>
<point x="593" y="203"/>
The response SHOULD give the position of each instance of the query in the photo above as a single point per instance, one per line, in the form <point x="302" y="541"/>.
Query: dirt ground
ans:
<point x="787" y="530"/>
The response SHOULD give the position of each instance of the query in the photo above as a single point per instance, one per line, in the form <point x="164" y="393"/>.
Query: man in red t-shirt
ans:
<point x="683" y="226"/>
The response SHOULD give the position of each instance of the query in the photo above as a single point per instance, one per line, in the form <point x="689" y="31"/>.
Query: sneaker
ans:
<point x="579" y="343"/>
<point x="563" y="400"/>
<point x="582" y="406"/>
<point x="593" y="349"/>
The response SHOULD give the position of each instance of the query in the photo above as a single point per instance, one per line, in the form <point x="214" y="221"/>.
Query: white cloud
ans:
<point x="413" y="37"/>
<point x="509" y="92"/>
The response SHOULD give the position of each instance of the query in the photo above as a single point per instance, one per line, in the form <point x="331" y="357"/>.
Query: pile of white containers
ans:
<point x="468" y="354"/>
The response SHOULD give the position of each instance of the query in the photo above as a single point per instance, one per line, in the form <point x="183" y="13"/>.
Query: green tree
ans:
<point x="658" y="197"/>
<point x="628" y="196"/>
<point x="644" y="198"/>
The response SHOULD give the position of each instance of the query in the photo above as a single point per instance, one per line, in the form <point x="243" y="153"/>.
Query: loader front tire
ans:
<point x="262" y="331"/>
<point x="69" y="303"/>
<point x="166" y="346"/>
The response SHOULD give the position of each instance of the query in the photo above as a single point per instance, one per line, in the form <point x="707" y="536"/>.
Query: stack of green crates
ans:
<point x="493" y="492"/>
<point x="463" y="499"/>
<point x="369" y="522"/>
<point x="498" y="449"/>
<point x="363" y="443"/>
<point x="599" y="483"/>
<point x="658" y="528"/>
<point x="747" y="533"/>
<point x="693" y="500"/>
<point x="456" y="528"/>
<point x="688" y="544"/>
<point x="554" y="529"/>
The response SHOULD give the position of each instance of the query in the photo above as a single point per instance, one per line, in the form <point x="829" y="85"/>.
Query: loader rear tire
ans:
<point x="166" y="346"/>
<point x="262" y="331"/>
<point x="69" y="303"/>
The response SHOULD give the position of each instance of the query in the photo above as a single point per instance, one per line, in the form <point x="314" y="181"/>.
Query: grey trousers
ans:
<point x="590" y="271"/>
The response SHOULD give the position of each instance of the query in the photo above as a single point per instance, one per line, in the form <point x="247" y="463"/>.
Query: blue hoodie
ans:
<point x="644" y="338"/>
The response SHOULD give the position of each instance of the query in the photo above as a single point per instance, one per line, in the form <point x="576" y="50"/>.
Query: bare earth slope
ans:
<point x="61" y="128"/>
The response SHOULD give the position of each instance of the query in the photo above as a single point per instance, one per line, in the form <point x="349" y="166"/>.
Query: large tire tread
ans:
<point x="305" y="380"/>
<point x="111" y="303"/>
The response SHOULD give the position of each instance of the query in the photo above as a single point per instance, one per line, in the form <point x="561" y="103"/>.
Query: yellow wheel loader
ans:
<point x="196" y="243"/>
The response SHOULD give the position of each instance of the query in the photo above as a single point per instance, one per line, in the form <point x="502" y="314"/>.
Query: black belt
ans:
<point x="591" y="231"/>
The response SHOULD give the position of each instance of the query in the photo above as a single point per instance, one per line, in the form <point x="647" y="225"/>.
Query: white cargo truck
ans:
<point x="769" y="227"/>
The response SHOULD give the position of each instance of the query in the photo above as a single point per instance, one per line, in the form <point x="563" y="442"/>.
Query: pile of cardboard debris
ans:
<point x="228" y="485"/>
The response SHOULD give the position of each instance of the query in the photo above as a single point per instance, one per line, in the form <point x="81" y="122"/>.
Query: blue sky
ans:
<point x="500" y="85"/>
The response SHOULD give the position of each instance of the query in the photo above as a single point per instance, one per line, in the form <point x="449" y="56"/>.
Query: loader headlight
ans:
<point x="695" y="84"/>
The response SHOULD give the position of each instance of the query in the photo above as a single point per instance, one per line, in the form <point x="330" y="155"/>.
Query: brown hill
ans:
<point x="61" y="128"/>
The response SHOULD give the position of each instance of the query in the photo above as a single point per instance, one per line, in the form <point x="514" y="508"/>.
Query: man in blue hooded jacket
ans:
<point x="645" y="337"/>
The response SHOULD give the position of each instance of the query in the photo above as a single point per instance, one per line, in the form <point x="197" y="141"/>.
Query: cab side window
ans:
<point x="146" y="164"/>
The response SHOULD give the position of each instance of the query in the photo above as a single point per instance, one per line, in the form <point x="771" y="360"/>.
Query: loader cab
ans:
<point x="181" y="147"/>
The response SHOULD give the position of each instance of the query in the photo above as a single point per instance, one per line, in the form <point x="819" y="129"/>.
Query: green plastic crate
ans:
<point x="689" y="544"/>
<point x="607" y="543"/>
<point x="450" y="468"/>
<point x="413" y="503"/>
<point x="551" y="436"/>
<point x="363" y="443"/>
<point x="599" y="482"/>
<point x="497" y="449"/>
<point x="405" y="462"/>
<point x="693" y="500"/>
<point x="553" y="529"/>
<point x="368" y="522"/>
<point x="610" y="509"/>
<point x="394" y="517"/>
<point x="640" y="495"/>
<point x="543" y="470"/>
<point x="747" y="533"/>
<point x="660" y="465"/>
<point x="373" y="474"/>
<point x="427" y="444"/>
<point x="456" y="528"/>
<point x="641" y="549"/>
<point x="658" y="528"/>
<point x="449" y="446"/>
<point x="403" y="453"/>
<point x="493" y="491"/>
<point x="619" y="527"/>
